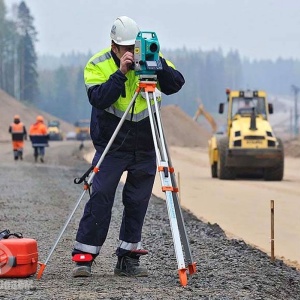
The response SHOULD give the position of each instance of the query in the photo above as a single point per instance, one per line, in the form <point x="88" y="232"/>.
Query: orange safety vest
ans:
<point x="18" y="131"/>
<point x="38" y="134"/>
<point x="38" y="128"/>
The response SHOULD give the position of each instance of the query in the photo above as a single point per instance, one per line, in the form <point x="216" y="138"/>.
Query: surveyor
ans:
<point x="18" y="134"/>
<point x="111" y="83"/>
<point x="38" y="134"/>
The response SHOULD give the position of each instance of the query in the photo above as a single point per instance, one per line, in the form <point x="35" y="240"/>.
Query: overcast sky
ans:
<point x="258" y="29"/>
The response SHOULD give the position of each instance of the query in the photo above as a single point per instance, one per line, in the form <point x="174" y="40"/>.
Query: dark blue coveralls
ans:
<point x="132" y="151"/>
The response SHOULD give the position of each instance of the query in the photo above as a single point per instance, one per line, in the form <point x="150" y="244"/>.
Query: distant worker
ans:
<point x="18" y="134"/>
<point x="111" y="84"/>
<point x="39" y="137"/>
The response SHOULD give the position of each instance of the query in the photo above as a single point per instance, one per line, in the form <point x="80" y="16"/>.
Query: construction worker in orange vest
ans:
<point x="39" y="137"/>
<point x="18" y="134"/>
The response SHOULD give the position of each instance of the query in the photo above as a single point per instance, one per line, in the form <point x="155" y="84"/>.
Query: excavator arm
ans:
<point x="201" y="111"/>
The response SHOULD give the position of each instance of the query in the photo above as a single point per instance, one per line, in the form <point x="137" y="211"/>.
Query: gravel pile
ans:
<point x="36" y="199"/>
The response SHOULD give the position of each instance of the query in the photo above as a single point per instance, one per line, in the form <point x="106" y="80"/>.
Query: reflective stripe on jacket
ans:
<point x="38" y="134"/>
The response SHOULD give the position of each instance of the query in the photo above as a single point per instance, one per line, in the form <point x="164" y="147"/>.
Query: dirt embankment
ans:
<point x="181" y="130"/>
<point x="10" y="107"/>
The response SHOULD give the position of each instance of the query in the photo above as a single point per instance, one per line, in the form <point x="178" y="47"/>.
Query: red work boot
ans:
<point x="83" y="265"/>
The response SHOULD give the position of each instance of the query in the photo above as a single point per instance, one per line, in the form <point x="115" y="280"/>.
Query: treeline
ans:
<point x="207" y="75"/>
<point x="56" y="85"/>
<point x="18" y="59"/>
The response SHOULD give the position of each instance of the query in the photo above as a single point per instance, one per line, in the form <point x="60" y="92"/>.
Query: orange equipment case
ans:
<point x="18" y="257"/>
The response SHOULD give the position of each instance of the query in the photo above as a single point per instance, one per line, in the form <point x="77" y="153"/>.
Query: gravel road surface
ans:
<point x="36" y="199"/>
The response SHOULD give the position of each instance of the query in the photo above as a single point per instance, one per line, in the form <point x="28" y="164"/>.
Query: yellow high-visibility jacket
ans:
<point x="110" y="92"/>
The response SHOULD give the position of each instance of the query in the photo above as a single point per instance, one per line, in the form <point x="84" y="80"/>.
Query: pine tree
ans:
<point x="8" y="36"/>
<point x="27" y="55"/>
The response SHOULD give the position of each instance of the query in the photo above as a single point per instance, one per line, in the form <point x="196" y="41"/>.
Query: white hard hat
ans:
<point x="124" y="31"/>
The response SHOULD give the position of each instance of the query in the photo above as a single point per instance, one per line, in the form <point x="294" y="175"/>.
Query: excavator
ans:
<point x="201" y="111"/>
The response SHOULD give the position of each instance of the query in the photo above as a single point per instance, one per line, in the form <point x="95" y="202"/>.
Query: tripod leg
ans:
<point x="164" y="172"/>
<point x="180" y="220"/>
<point x="43" y="265"/>
<point x="182" y="229"/>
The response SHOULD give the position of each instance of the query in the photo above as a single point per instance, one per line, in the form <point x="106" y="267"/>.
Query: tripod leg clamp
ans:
<point x="170" y="189"/>
<point x="166" y="170"/>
